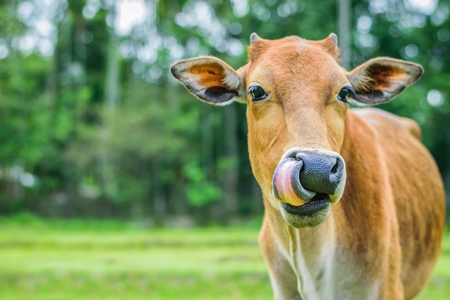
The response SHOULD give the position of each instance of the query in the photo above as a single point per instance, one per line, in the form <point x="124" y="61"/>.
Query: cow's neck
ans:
<point x="308" y="250"/>
<point x="312" y="251"/>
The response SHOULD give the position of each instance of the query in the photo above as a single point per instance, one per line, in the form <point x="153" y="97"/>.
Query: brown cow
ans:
<point x="354" y="203"/>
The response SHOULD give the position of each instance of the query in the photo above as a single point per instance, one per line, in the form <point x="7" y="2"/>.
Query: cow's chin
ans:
<point x="310" y="214"/>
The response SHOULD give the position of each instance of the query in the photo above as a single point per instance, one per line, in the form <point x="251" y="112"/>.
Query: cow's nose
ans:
<point x="321" y="173"/>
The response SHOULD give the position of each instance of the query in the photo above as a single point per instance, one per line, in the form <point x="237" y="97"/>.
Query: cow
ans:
<point x="354" y="203"/>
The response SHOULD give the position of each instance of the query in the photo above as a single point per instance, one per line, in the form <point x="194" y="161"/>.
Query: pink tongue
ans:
<point x="283" y="183"/>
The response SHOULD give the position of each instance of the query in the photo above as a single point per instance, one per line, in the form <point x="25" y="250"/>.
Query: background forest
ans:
<point x="93" y="126"/>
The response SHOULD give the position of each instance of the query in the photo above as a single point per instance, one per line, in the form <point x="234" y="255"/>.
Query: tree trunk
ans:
<point x="344" y="32"/>
<point x="113" y="66"/>
<point x="231" y="174"/>
<point x="111" y="101"/>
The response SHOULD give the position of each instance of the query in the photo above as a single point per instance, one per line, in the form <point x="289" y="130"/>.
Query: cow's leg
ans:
<point x="282" y="276"/>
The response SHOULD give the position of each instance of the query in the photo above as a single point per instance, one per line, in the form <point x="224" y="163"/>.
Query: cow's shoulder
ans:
<point x="386" y="123"/>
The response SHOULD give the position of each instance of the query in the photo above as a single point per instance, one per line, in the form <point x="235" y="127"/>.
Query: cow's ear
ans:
<point x="209" y="79"/>
<point x="381" y="79"/>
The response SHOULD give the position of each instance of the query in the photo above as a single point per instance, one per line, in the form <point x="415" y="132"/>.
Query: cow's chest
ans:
<point x="327" y="273"/>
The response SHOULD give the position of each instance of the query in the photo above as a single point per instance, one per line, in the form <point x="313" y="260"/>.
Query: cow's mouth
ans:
<point x="315" y="205"/>
<point x="306" y="182"/>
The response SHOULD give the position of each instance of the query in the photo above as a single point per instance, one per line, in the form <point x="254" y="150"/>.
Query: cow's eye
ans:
<point x="257" y="92"/>
<point x="344" y="93"/>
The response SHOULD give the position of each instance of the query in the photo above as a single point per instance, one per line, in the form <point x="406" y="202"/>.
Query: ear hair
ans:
<point x="209" y="79"/>
<point x="380" y="79"/>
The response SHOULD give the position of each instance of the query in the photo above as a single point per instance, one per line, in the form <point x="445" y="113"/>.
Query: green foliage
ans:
<point x="200" y="190"/>
<point x="25" y="131"/>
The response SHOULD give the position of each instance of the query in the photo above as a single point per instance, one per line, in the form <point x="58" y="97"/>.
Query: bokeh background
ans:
<point x="98" y="141"/>
<point x="93" y="125"/>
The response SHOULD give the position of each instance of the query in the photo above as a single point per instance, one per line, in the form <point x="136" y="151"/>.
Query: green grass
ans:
<point x="69" y="260"/>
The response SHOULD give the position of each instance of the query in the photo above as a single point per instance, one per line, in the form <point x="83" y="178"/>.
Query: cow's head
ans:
<point x="297" y="99"/>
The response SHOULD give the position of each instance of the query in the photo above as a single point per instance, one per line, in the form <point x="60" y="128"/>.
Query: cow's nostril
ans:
<point x="335" y="168"/>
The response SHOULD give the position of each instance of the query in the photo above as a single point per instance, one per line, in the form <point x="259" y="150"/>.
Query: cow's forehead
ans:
<point x="293" y="59"/>
<point x="291" y="48"/>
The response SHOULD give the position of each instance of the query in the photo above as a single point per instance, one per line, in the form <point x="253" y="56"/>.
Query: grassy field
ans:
<point x="101" y="260"/>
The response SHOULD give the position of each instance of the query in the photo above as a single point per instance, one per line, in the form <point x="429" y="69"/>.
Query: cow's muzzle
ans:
<point x="307" y="179"/>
